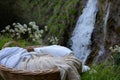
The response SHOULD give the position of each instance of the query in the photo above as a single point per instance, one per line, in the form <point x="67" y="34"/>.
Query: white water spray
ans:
<point x="82" y="33"/>
<point x="102" y="46"/>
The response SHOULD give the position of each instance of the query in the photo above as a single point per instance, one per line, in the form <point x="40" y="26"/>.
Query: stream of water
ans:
<point x="102" y="46"/>
<point x="81" y="37"/>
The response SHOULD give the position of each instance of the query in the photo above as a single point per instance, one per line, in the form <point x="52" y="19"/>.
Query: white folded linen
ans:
<point x="8" y="51"/>
<point x="55" y="50"/>
<point x="69" y="66"/>
<point x="58" y="56"/>
<point x="11" y="56"/>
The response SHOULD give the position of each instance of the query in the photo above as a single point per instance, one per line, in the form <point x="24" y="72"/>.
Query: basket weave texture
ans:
<point x="11" y="74"/>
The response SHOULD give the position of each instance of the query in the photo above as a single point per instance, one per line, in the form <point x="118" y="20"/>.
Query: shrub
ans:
<point x="102" y="72"/>
<point x="30" y="32"/>
<point x="116" y="54"/>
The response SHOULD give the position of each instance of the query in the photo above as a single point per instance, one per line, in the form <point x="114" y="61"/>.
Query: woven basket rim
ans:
<point x="15" y="74"/>
<point x="26" y="72"/>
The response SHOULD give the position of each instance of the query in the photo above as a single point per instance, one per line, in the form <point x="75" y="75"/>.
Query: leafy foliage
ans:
<point x="63" y="17"/>
<point x="102" y="72"/>
<point x="5" y="39"/>
<point x="30" y="32"/>
<point x="57" y="15"/>
<point x="116" y="54"/>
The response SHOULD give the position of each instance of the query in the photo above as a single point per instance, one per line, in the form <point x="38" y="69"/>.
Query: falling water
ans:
<point x="102" y="46"/>
<point x="82" y="33"/>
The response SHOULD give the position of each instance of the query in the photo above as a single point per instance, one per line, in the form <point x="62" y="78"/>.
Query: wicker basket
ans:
<point x="11" y="74"/>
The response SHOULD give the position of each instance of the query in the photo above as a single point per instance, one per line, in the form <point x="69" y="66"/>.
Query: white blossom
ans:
<point x="32" y="23"/>
<point x="17" y="34"/>
<point x="35" y="27"/>
<point x="32" y="31"/>
<point x="29" y="29"/>
<point x="33" y="39"/>
<point x="14" y="24"/>
<point x="7" y="27"/>
<point x="3" y="31"/>
<point x="16" y="29"/>
<point x="46" y="28"/>
<point x="115" y="49"/>
<point x="41" y="31"/>
<point x="25" y="26"/>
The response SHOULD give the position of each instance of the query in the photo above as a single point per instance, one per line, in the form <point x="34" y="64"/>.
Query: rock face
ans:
<point x="115" y="11"/>
<point x="112" y="30"/>
<point x="114" y="23"/>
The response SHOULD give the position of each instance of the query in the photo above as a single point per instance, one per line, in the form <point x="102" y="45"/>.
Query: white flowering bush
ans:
<point x="53" y="40"/>
<point x="116" y="54"/>
<point x="115" y="49"/>
<point x="30" y="32"/>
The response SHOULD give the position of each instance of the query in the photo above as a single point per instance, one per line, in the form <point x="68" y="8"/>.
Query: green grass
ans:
<point x="23" y="43"/>
<point x="4" y="40"/>
<point x="102" y="72"/>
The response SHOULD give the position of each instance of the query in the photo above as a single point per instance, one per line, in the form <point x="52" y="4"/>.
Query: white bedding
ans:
<point x="11" y="56"/>
<point x="61" y="57"/>
<point x="56" y="50"/>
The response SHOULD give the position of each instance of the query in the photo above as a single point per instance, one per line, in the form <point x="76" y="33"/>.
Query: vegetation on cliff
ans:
<point x="60" y="18"/>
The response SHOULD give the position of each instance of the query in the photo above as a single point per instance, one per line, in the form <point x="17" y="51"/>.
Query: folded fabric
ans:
<point x="8" y="51"/>
<point x="11" y="56"/>
<point x="55" y="50"/>
<point x="41" y="59"/>
<point x="69" y="66"/>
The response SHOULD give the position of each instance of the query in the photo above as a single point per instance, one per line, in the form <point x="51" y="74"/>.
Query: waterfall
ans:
<point x="102" y="46"/>
<point x="82" y="33"/>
